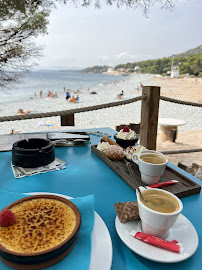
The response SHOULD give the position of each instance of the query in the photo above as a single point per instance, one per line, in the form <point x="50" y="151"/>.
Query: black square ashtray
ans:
<point x="33" y="153"/>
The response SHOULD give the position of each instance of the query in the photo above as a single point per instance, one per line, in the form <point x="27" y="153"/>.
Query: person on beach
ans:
<point x="73" y="99"/>
<point x="55" y="95"/>
<point x="21" y="111"/>
<point x="67" y="95"/>
<point x="141" y="85"/>
<point x="50" y="93"/>
<point x="77" y="98"/>
<point x="120" y="95"/>
<point x="77" y="92"/>
<point x="14" y="132"/>
<point x="41" y="94"/>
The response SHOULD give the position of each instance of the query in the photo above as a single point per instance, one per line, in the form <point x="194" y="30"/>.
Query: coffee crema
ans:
<point x="153" y="158"/>
<point x="160" y="201"/>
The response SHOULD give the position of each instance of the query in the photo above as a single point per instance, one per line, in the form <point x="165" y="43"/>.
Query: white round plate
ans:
<point x="101" y="249"/>
<point x="183" y="231"/>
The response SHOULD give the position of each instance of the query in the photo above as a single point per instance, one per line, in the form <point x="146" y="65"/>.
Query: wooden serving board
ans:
<point x="183" y="188"/>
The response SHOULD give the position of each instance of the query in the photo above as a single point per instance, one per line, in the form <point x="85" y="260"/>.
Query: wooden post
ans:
<point x="149" y="117"/>
<point x="67" y="120"/>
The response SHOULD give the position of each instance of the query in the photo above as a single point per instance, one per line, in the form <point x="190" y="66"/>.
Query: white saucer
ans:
<point x="101" y="249"/>
<point x="183" y="231"/>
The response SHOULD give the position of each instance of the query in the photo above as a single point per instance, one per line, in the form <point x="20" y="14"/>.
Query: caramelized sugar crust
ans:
<point x="41" y="224"/>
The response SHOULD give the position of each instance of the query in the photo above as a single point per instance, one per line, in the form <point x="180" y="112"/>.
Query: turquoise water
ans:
<point x="54" y="80"/>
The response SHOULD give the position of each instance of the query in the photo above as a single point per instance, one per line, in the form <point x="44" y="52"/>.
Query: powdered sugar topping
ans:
<point x="115" y="150"/>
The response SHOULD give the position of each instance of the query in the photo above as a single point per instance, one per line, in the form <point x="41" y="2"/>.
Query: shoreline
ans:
<point x="110" y="117"/>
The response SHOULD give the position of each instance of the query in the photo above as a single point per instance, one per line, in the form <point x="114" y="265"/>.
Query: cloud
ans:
<point x="103" y="58"/>
<point x="125" y="56"/>
<point x="122" y="57"/>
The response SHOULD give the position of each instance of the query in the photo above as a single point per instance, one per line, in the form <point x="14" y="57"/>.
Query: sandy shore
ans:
<point x="184" y="89"/>
<point x="190" y="134"/>
<point x="185" y="140"/>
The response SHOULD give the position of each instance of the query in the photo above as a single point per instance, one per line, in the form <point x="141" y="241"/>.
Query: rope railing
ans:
<point x="92" y="108"/>
<point x="104" y="106"/>
<point x="72" y="111"/>
<point x="184" y="151"/>
<point x="180" y="101"/>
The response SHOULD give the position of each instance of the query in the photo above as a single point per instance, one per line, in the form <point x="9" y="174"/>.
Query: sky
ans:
<point x="80" y="37"/>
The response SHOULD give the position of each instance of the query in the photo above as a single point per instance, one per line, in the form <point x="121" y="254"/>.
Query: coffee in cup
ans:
<point x="160" y="211"/>
<point x="151" y="164"/>
<point x="160" y="201"/>
<point x="153" y="158"/>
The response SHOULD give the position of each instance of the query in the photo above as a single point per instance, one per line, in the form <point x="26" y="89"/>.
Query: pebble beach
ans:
<point x="184" y="89"/>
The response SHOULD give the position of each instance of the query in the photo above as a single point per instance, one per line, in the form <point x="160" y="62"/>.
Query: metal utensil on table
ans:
<point x="133" y="177"/>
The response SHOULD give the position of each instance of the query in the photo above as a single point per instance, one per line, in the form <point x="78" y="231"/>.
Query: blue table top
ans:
<point x="87" y="174"/>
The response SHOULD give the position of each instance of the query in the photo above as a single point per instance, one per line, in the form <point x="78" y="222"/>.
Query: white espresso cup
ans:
<point x="154" y="222"/>
<point x="151" y="164"/>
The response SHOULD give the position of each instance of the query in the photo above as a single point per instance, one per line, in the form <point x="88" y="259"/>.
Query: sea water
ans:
<point x="53" y="80"/>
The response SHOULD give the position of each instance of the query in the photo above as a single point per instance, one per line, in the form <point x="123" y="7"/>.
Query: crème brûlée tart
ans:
<point x="44" y="224"/>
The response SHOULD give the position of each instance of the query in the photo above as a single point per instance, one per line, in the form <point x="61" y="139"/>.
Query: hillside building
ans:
<point x="175" y="72"/>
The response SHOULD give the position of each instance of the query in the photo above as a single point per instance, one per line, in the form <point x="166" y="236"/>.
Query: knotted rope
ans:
<point x="103" y="106"/>
<point x="72" y="111"/>
<point x="180" y="101"/>
<point x="92" y="108"/>
<point x="181" y="151"/>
